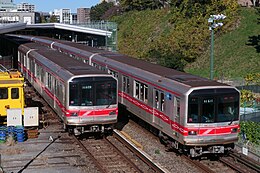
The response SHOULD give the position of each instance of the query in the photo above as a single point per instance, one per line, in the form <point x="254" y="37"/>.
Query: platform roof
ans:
<point x="70" y="28"/>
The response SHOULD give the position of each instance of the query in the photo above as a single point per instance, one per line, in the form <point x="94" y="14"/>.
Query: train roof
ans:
<point x="75" y="67"/>
<point x="182" y="77"/>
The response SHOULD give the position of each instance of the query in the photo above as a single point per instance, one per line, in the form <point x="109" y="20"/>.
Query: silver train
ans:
<point x="191" y="114"/>
<point x="84" y="97"/>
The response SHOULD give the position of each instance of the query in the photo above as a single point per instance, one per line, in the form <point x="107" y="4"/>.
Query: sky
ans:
<point x="50" y="5"/>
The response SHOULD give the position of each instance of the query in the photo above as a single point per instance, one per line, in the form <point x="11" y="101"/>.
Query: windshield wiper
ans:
<point x="111" y="100"/>
<point x="233" y="117"/>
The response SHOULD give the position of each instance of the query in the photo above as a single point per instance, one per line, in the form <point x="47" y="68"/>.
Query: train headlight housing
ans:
<point x="234" y="130"/>
<point x="75" y="114"/>
<point x="112" y="113"/>
<point x="192" y="132"/>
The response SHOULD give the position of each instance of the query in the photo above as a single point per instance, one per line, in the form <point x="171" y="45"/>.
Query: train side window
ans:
<point x="140" y="91"/>
<point x="162" y="108"/>
<point x="178" y="107"/>
<point x="137" y="89"/>
<point x="145" y="93"/>
<point x="3" y="93"/>
<point x="19" y="56"/>
<point x="113" y="73"/>
<point x="38" y="69"/>
<point x="15" y="93"/>
<point x="159" y="102"/>
<point x="42" y="75"/>
<point x="126" y="85"/>
<point x="156" y="101"/>
<point x="49" y="80"/>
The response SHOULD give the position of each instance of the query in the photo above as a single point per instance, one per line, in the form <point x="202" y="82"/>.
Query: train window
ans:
<point x="19" y="56"/>
<point x="126" y="84"/>
<point x="38" y="69"/>
<point x="145" y="93"/>
<point x="15" y="93"/>
<point x="49" y="80"/>
<point x="3" y="93"/>
<point x="137" y="90"/>
<point x="27" y="62"/>
<point x="24" y="61"/>
<point x="42" y="75"/>
<point x="193" y="110"/>
<point x="228" y="108"/>
<point x="113" y="73"/>
<point x="159" y="101"/>
<point x="156" y="101"/>
<point x="140" y="91"/>
<point x="178" y="107"/>
<point x="162" y="102"/>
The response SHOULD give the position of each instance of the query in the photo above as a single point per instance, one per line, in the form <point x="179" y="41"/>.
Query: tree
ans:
<point x="43" y="19"/>
<point x="97" y="11"/>
<point x="53" y="19"/>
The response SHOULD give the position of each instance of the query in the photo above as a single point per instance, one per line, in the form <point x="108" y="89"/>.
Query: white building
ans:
<point x="63" y="15"/>
<point x="26" y="7"/>
<point x="7" y="5"/>
<point x="116" y="2"/>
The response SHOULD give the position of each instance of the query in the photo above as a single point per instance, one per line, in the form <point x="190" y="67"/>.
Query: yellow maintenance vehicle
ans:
<point x="11" y="92"/>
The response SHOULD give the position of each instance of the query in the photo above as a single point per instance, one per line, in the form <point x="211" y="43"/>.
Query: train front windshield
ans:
<point x="93" y="91"/>
<point x="213" y="106"/>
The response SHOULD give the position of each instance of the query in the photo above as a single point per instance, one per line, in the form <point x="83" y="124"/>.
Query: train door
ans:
<point x="176" y="115"/>
<point x="158" y="105"/>
<point x="125" y="88"/>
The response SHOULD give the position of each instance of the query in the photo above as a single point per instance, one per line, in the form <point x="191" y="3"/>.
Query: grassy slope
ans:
<point x="234" y="58"/>
<point x="234" y="54"/>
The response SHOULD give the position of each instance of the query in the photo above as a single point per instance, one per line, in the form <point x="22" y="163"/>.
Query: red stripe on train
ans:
<point x="201" y="131"/>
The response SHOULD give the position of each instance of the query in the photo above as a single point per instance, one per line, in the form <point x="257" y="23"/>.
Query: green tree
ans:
<point x="43" y="19"/>
<point x="129" y="5"/>
<point x="97" y="11"/>
<point x="53" y="19"/>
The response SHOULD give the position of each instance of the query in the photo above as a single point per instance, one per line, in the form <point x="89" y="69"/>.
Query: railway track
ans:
<point x="241" y="163"/>
<point x="116" y="154"/>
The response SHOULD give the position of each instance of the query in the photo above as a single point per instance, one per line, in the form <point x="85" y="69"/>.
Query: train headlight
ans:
<point x="234" y="130"/>
<point x="192" y="132"/>
<point x="75" y="114"/>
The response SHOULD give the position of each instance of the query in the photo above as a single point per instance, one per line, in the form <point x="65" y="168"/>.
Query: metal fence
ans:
<point x="250" y="111"/>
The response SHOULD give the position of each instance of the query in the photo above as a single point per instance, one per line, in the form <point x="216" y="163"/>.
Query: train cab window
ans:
<point x="208" y="110"/>
<point x="15" y="93"/>
<point x="140" y="91"/>
<point x="126" y="84"/>
<point x="3" y="93"/>
<point x="193" y="111"/>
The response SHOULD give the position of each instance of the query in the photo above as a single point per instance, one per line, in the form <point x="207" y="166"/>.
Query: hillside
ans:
<point x="236" y="53"/>
<point x="153" y="34"/>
